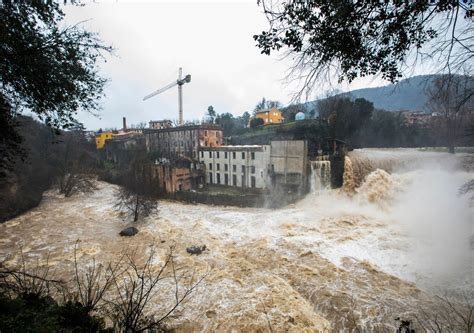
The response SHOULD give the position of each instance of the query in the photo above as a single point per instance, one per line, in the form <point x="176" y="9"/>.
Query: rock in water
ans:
<point x="130" y="231"/>
<point x="195" y="249"/>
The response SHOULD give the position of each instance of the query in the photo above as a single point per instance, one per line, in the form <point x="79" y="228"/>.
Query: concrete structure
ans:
<point x="270" y="116"/>
<point x="240" y="166"/>
<point x="183" y="141"/>
<point x="160" y="124"/>
<point x="288" y="163"/>
<point x="100" y="139"/>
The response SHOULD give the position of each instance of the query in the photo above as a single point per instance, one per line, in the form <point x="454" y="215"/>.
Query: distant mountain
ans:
<point x="409" y="94"/>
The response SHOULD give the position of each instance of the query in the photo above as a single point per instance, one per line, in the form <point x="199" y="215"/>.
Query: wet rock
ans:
<point x="197" y="250"/>
<point x="128" y="232"/>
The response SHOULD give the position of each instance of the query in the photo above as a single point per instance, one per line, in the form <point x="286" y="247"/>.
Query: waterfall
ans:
<point x="320" y="174"/>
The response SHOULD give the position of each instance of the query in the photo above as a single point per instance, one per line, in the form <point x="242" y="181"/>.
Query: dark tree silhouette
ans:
<point x="45" y="68"/>
<point x="350" y="39"/>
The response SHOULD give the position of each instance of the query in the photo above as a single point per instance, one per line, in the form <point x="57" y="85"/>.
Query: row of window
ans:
<point x="253" y="181"/>
<point x="234" y="155"/>
<point x="234" y="167"/>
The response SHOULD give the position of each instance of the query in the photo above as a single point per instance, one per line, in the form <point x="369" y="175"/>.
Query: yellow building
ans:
<point x="270" y="116"/>
<point x="101" y="138"/>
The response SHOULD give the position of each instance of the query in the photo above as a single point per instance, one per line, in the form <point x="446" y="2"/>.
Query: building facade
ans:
<point x="183" y="141"/>
<point x="175" y="178"/>
<point x="270" y="116"/>
<point x="288" y="164"/>
<point x="160" y="124"/>
<point x="238" y="166"/>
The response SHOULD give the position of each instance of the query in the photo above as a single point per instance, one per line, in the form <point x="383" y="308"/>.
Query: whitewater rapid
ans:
<point x="337" y="260"/>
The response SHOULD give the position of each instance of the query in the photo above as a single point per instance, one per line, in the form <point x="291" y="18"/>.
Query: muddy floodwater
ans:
<point x="396" y="234"/>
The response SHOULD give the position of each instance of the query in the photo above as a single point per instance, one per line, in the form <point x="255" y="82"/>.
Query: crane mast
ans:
<point x="179" y="82"/>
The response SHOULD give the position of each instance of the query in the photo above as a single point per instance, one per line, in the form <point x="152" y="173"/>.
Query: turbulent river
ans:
<point x="396" y="234"/>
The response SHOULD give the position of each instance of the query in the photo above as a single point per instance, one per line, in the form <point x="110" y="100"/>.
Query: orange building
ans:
<point x="270" y="116"/>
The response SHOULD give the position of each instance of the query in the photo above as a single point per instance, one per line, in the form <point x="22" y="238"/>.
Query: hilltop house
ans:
<point x="270" y="116"/>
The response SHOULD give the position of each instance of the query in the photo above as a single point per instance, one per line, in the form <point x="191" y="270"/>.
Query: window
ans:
<point x="226" y="179"/>
<point x="243" y="168"/>
<point x="243" y="155"/>
<point x="210" y="153"/>
<point x="218" y="166"/>
<point x="234" y="168"/>
<point x="252" y="169"/>
<point x="210" y="166"/>
<point x="226" y="167"/>
<point x="234" y="180"/>
<point x="225" y="154"/>
<point x="233" y="155"/>
<point x="252" y="182"/>
<point x="210" y="177"/>
<point x="217" y="156"/>
<point x="218" y="178"/>
<point x="252" y="155"/>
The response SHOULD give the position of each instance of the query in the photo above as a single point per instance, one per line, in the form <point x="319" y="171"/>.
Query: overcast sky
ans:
<point x="212" y="41"/>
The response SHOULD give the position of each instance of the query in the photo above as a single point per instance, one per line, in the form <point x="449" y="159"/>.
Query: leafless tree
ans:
<point x="76" y="167"/>
<point x="91" y="284"/>
<point x="137" y="196"/>
<point x="349" y="39"/>
<point x="134" y="203"/>
<point x="452" y="98"/>
<point x="450" y="314"/>
<point x="28" y="282"/>
<point x="139" y="284"/>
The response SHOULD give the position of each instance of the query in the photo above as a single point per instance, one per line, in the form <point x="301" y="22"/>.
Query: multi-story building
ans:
<point x="183" y="141"/>
<point x="270" y="116"/>
<point x="240" y="166"/>
<point x="160" y="124"/>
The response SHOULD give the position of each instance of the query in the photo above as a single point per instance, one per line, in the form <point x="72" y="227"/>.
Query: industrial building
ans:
<point x="282" y="164"/>
<point x="240" y="166"/>
<point x="183" y="141"/>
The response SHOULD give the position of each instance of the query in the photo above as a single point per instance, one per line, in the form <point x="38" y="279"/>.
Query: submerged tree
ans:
<point x="137" y="196"/>
<point x="46" y="69"/>
<point x="76" y="164"/>
<point x="351" y="39"/>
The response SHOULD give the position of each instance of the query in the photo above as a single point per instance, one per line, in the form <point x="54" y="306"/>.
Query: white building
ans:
<point x="240" y="166"/>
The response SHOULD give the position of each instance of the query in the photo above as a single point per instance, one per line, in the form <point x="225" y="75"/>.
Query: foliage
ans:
<point x="266" y="104"/>
<point x="226" y="121"/>
<point x="359" y="38"/>
<point x="211" y="114"/>
<point x="255" y="122"/>
<point x="45" y="68"/>
<point x="24" y="183"/>
<point x="344" y="116"/>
